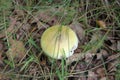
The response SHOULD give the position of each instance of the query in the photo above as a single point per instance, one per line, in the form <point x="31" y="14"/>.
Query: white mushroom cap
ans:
<point x="59" y="41"/>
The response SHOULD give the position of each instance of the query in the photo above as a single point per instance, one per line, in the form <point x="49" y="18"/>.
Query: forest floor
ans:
<point x="96" y="22"/>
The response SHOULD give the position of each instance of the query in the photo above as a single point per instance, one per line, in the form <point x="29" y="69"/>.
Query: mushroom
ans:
<point x="59" y="42"/>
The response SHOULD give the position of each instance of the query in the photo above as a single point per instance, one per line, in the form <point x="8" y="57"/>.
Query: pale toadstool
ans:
<point x="59" y="42"/>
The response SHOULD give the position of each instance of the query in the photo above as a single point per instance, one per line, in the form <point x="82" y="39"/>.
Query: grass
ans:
<point x="85" y="12"/>
<point x="118" y="72"/>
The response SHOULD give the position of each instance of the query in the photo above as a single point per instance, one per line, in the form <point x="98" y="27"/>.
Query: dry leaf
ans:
<point x="113" y="57"/>
<point x="101" y="72"/>
<point x="88" y="56"/>
<point x="3" y="77"/>
<point x="112" y="77"/>
<point x="99" y="56"/>
<point x="74" y="58"/>
<point x="102" y="53"/>
<point x="118" y="45"/>
<point x="1" y="51"/>
<point x="114" y="45"/>
<point x="78" y="28"/>
<point x="1" y="46"/>
<point x="19" y="13"/>
<point x="26" y="26"/>
<point x="112" y="66"/>
<point x="1" y="60"/>
<point x="103" y="78"/>
<point x="12" y="24"/>
<point x="2" y="35"/>
<point x="16" y="50"/>
<point x="92" y="75"/>
<point x="101" y="23"/>
<point x="44" y="19"/>
<point x="47" y="17"/>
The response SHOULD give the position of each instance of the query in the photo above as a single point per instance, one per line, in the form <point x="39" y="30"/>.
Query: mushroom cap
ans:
<point x="59" y="41"/>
